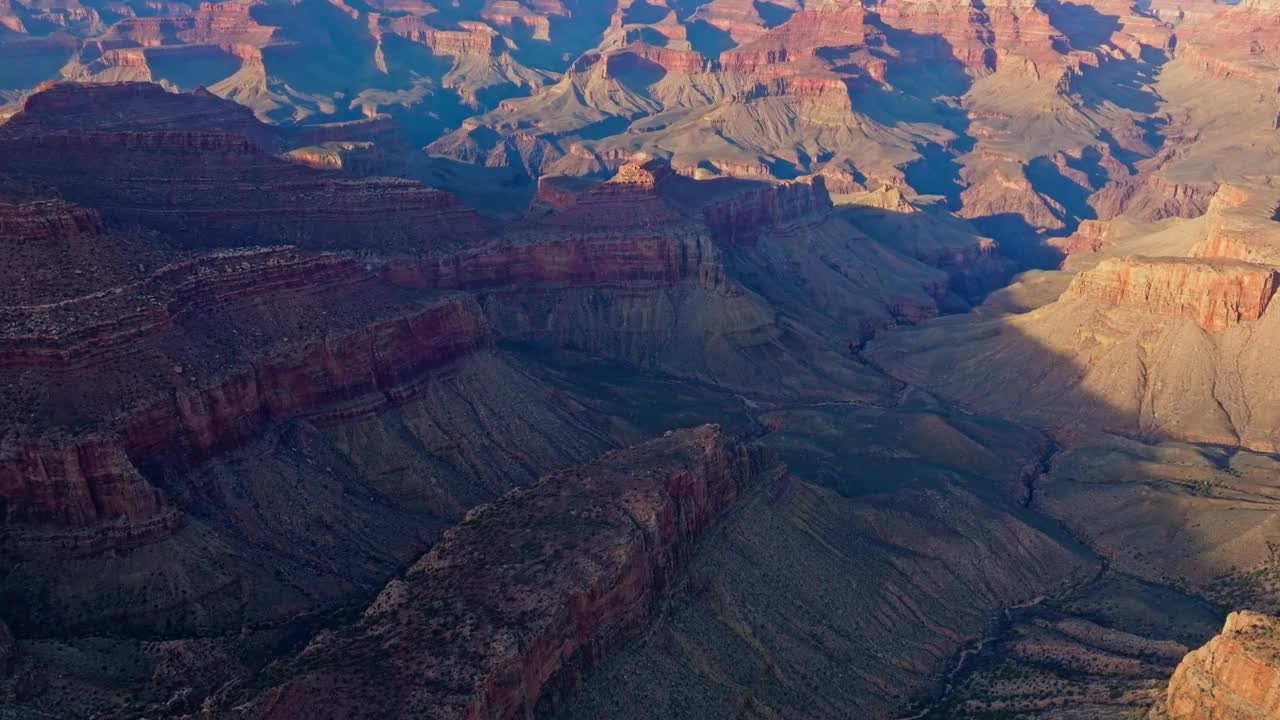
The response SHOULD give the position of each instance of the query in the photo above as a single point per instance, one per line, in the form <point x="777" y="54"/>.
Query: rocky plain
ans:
<point x="638" y="359"/>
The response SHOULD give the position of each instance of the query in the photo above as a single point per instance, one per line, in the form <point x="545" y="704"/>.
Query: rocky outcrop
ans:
<point x="1150" y="196"/>
<point x="337" y="156"/>
<point x="735" y="211"/>
<point x="1001" y="200"/>
<point x="1242" y="225"/>
<point x="469" y="39"/>
<point x="249" y="195"/>
<point x="561" y="192"/>
<point x="41" y="221"/>
<point x="75" y="485"/>
<point x="834" y="25"/>
<point x="510" y="14"/>
<point x="644" y="57"/>
<point x="740" y="218"/>
<point x="1236" y="676"/>
<point x="738" y="18"/>
<point x="513" y="604"/>
<point x="1090" y="237"/>
<point x="582" y="260"/>
<point x="1012" y="35"/>
<point x="660" y="270"/>
<point x="1215" y="294"/>
<point x="132" y="106"/>
<point x="128" y="64"/>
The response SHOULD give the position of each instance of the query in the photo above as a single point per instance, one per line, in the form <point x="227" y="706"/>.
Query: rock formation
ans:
<point x="1239" y="225"/>
<point x="583" y="557"/>
<point x="42" y="221"/>
<point x="1238" y="42"/>
<point x="1236" y="676"/>
<point x="1215" y="294"/>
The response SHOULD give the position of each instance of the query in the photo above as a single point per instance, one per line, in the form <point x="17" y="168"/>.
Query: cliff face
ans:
<point x="736" y="212"/>
<point x="739" y="219"/>
<point x="1241" y="225"/>
<point x="642" y="57"/>
<point x="588" y="259"/>
<point x="1151" y="196"/>
<point x="90" y="141"/>
<point x="93" y="479"/>
<point x="1014" y="35"/>
<point x="1216" y="295"/>
<point x="130" y="106"/>
<point x="1089" y="237"/>
<point x="469" y="39"/>
<point x="582" y="557"/>
<point x="1236" y="676"/>
<point x="799" y="38"/>
<point x="664" y="271"/>
<point x="211" y="23"/>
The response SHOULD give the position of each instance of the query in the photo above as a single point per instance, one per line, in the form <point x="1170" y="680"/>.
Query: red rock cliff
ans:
<point x="1215" y="294"/>
<point x="125" y="376"/>
<point x="1242" y="225"/>
<point x="1236" y="676"/>
<point x="511" y="605"/>
<point x="738" y="219"/>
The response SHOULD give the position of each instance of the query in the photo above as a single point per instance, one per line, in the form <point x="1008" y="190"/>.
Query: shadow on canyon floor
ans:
<point x="816" y="595"/>
<point x="1187" y="531"/>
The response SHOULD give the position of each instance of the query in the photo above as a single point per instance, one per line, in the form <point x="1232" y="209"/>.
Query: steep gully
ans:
<point x="964" y="660"/>
<point x="974" y="654"/>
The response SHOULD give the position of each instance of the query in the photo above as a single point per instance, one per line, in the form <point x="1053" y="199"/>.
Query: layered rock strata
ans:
<point x="1215" y="294"/>
<point x="524" y="595"/>
<point x="1236" y="676"/>
<point x="160" y="331"/>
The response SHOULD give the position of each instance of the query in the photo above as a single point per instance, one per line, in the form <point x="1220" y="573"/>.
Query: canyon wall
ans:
<point x="582" y="559"/>
<point x="1236" y="676"/>
<point x="740" y="218"/>
<point x="91" y="479"/>
<point x="205" y="167"/>
<point x="1215" y="294"/>
<point x="1241" y="225"/>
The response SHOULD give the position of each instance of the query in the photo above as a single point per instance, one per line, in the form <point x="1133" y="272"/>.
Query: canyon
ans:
<point x="651" y="358"/>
